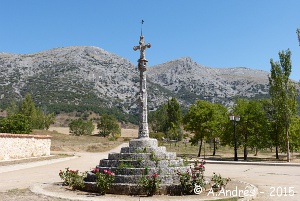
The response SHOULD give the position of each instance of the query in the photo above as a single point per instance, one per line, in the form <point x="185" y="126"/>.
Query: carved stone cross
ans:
<point x="143" y="114"/>
<point x="142" y="47"/>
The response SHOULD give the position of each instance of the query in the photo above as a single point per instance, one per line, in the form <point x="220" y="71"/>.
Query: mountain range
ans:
<point x="85" y="75"/>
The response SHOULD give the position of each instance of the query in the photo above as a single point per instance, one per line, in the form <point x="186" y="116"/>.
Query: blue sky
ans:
<point x="214" y="33"/>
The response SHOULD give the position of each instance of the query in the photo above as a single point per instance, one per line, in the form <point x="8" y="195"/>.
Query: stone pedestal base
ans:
<point x="129" y="165"/>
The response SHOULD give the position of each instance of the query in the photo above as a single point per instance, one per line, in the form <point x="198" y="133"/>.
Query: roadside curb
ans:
<point x="42" y="190"/>
<point x="249" y="163"/>
<point x="252" y="189"/>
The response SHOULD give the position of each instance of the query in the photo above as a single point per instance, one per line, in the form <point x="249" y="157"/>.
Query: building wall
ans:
<point x="17" y="146"/>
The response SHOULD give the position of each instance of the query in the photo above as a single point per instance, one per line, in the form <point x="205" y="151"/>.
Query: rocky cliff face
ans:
<point x="72" y="75"/>
<point x="190" y="81"/>
<point x="93" y="76"/>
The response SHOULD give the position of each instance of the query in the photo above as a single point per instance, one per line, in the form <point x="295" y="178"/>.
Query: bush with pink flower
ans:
<point x="195" y="177"/>
<point x="149" y="183"/>
<point x="103" y="180"/>
<point x="72" y="178"/>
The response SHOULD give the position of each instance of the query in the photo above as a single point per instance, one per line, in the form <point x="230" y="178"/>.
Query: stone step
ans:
<point x="142" y="163"/>
<point x="142" y="156"/>
<point x="129" y="156"/>
<point x="140" y="171"/>
<point x="135" y="179"/>
<point x="135" y="189"/>
<point x="143" y="150"/>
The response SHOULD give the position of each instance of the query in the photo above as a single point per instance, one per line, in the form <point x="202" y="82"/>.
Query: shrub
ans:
<point x="149" y="183"/>
<point x="72" y="178"/>
<point x="80" y="127"/>
<point x="16" y="123"/>
<point x="107" y="125"/>
<point x="219" y="182"/>
<point x="104" y="180"/>
<point x="192" y="177"/>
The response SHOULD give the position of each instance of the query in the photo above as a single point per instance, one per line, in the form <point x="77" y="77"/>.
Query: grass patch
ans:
<point x="226" y="153"/>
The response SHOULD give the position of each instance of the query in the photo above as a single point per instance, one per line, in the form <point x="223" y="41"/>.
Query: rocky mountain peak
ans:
<point x="84" y="75"/>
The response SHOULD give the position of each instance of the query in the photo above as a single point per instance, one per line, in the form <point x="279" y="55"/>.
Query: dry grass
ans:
<point x="68" y="143"/>
<point x="226" y="153"/>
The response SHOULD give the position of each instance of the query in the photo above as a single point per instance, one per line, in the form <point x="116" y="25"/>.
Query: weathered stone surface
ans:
<point x="17" y="146"/>
<point x="135" y="189"/>
<point x="141" y="155"/>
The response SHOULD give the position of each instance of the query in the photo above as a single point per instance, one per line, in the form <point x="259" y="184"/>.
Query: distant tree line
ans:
<point x="120" y="115"/>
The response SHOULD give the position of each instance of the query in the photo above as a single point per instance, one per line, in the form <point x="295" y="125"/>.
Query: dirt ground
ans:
<point x="26" y="195"/>
<point x="130" y="132"/>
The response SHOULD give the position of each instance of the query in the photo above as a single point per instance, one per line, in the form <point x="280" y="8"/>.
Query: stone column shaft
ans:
<point x="143" y="113"/>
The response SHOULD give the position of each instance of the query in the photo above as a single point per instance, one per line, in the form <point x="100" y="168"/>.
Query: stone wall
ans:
<point x="17" y="146"/>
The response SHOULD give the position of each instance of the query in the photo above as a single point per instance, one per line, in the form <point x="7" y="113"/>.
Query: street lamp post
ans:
<point x="234" y="120"/>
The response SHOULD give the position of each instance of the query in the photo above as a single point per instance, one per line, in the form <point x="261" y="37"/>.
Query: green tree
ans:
<point x="251" y="128"/>
<point x="108" y="125"/>
<point x="295" y="134"/>
<point x="35" y="115"/>
<point x="27" y="107"/>
<point x="16" y="124"/>
<point x="80" y="127"/>
<point x="271" y="127"/>
<point x="174" y="113"/>
<point x="283" y="95"/>
<point x="167" y="119"/>
<point x="158" y="119"/>
<point x="37" y="118"/>
<point x="174" y="119"/>
<point x="218" y="125"/>
<point x="12" y="109"/>
<point x="203" y="121"/>
<point x="48" y="120"/>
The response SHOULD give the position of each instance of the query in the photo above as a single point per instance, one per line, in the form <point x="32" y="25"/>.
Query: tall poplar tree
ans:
<point x="283" y="96"/>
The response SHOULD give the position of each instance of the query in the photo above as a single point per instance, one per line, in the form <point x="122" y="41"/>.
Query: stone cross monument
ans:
<point x="142" y="153"/>
<point x="142" y="64"/>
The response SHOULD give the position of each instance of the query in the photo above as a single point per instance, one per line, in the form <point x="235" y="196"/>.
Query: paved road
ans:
<point x="273" y="182"/>
<point x="27" y="175"/>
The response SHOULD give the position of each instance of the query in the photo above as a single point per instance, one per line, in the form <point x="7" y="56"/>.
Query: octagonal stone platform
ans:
<point x="131" y="163"/>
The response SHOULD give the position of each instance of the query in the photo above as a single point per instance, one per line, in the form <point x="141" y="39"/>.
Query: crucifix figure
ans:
<point x="142" y="63"/>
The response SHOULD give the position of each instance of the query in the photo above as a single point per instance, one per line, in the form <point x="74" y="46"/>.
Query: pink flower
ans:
<point x="155" y="175"/>
<point x="105" y="171"/>
<point x="95" y="170"/>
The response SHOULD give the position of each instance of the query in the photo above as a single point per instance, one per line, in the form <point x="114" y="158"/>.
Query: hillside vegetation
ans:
<point x="86" y="78"/>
